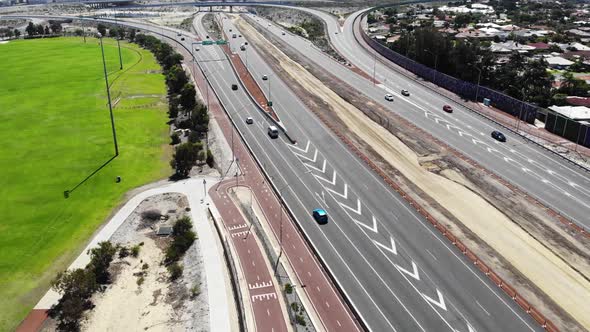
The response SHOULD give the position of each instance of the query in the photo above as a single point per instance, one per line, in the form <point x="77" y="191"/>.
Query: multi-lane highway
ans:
<point x="553" y="181"/>
<point x="397" y="272"/>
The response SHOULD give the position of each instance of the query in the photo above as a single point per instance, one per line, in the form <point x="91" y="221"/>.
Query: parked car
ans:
<point x="448" y="109"/>
<point x="405" y="92"/>
<point x="249" y="120"/>
<point x="389" y="97"/>
<point x="320" y="216"/>
<point x="498" y="136"/>
<point x="207" y="36"/>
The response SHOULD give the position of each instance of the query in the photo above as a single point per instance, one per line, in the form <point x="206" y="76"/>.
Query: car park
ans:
<point x="405" y="92"/>
<point x="389" y="97"/>
<point x="249" y="120"/>
<point x="320" y="216"/>
<point x="498" y="136"/>
<point x="448" y="109"/>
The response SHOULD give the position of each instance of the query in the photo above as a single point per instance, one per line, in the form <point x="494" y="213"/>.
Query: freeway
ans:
<point x="397" y="272"/>
<point x="551" y="180"/>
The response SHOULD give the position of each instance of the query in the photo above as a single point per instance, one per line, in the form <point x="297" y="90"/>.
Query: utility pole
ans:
<point x="435" y="63"/>
<point x="374" y="65"/>
<point x="478" y="81"/>
<point x="118" y="44"/>
<point x="106" y="79"/>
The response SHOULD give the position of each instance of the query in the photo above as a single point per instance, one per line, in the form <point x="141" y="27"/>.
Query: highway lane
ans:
<point x="412" y="257"/>
<point x="399" y="273"/>
<point x="554" y="182"/>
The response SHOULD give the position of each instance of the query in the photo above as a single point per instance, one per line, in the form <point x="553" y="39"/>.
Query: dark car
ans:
<point x="182" y="38"/>
<point x="448" y="109"/>
<point x="320" y="216"/>
<point x="498" y="136"/>
<point x="234" y="87"/>
<point x="249" y="120"/>
<point x="405" y="92"/>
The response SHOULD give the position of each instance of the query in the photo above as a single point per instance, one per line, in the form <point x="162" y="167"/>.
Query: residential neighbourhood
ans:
<point x="489" y="41"/>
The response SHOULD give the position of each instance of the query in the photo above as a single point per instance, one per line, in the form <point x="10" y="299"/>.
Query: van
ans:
<point x="273" y="132"/>
<point x="234" y="35"/>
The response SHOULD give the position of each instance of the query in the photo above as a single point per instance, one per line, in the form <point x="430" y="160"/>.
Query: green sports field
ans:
<point x="54" y="131"/>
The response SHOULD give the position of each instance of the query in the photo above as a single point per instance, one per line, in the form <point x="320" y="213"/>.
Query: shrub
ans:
<point x="140" y="281"/>
<point x="175" y="271"/>
<point x="123" y="252"/>
<point x="300" y="320"/>
<point x="288" y="288"/>
<point x="295" y="306"/>
<point x="151" y="215"/>
<point x="100" y="259"/>
<point x="195" y="291"/>
<point x="135" y="251"/>
<point x="193" y="137"/>
<point x="145" y="266"/>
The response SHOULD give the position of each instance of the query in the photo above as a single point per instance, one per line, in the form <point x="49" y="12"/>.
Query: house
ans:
<point x="578" y="101"/>
<point x="578" y="33"/>
<point x="557" y="62"/>
<point x="539" y="46"/>
<point x="510" y="46"/>
<point x="576" y="113"/>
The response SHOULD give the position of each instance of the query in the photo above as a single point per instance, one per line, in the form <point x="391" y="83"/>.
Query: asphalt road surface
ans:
<point x="551" y="180"/>
<point x="398" y="272"/>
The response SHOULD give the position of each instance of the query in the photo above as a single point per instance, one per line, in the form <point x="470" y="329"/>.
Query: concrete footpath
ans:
<point x="219" y="293"/>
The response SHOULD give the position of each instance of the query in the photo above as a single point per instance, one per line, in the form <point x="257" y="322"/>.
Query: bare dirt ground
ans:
<point x="518" y="240"/>
<point x="141" y="297"/>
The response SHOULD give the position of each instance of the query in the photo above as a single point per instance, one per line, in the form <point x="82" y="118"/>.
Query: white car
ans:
<point x="389" y="97"/>
<point x="249" y="120"/>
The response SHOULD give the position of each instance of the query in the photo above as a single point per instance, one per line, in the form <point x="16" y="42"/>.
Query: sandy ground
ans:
<point x="531" y="258"/>
<point x="156" y="304"/>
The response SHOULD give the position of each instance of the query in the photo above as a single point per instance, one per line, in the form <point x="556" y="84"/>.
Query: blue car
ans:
<point x="320" y="216"/>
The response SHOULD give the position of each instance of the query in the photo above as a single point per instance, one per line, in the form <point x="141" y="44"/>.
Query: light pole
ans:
<point x="106" y="79"/>
<point x="521" y="107"/>
<point x="118" y="44"/>
<point x="435" y="63"/>
<point x="478" y="80"/>
<point x="374" y="65"/>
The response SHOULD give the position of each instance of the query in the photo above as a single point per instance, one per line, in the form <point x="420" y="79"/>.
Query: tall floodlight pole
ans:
<point x="478" y="81"/>
<point x="118" y="44"/>
<point x="106" y="79"/>
<point x="435" y="63"/>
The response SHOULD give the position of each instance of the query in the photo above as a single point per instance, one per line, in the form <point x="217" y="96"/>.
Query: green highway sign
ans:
<point x="221" y="42"/>
<point x="207" y="42"/>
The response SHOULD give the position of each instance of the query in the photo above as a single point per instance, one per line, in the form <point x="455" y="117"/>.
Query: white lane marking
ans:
<point x="431" y="255"/>
<point x="439" y="303"/>
<point x="482" y="308"/>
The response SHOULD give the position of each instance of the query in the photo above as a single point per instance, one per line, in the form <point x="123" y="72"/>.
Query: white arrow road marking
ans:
<point x="414" y="274"/>
<point x="304" y="151"/>
<point x="393" y="248"/>
<point x="333" y="182"/>
<point x="315" y="156"/>
<point x="526" y="170"/>
<point x="344" y="195"/>
<point x="490" y="150"/>
<point x="373" y="229"/>
<point x="358" y="209"/>
<point x="440" y="303"/>
<point x="507" y="159"/>
<point x="471" y="329"/>
<point x="475" y="141"/>
<point x="323" y="170"/>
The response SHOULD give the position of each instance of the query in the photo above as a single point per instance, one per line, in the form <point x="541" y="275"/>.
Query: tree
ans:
<point x="102" y="29"/>
<point x="16" y="33"/>
<point x="113" y="32"/>
<point x="46" y="31"/>
<point x="76" y="287"/>
<point x="30" y="29"/>
<point x="100" y="259"/>
<point x="55" y="26"/>
<point x="175" y="138"/>
<point x="200" y="118"/>
<point x="176" y="78"/>
<point x="184" y="158"/>
<point x="188" y="97"/>
<point x="79" y="32"/>
<point x="39" y="29"/>
<point x="572" y="86"/>
<point x="131" y="34"/>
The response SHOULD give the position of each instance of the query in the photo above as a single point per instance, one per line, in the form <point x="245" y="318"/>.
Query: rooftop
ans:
<point x="572" y="112"/>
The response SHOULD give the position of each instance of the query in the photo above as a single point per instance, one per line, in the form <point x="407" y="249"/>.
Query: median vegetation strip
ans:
<point x="56" y="131"/>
